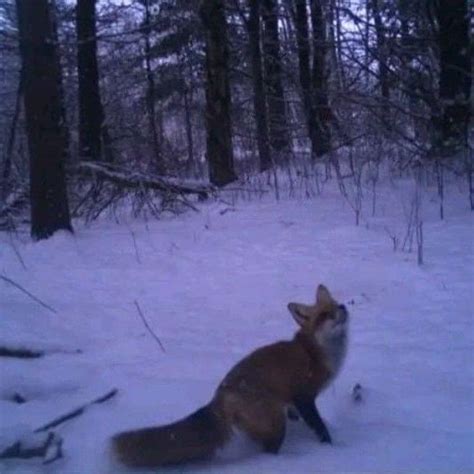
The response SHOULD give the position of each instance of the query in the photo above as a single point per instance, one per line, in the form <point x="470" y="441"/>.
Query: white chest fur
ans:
<point x="334" y="346"/>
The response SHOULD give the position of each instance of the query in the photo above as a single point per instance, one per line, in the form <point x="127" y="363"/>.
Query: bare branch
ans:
<point x="76" y="412"/>
<point x="157" y="339"/>
<point x="16" y="285"/>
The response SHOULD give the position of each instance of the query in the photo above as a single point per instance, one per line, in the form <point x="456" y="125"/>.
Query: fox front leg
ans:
<point x="308" y="411"/>
<point x="292" y="414"/>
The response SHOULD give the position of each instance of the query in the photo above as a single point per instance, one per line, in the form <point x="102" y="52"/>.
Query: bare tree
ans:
<point x="313" y="80"/>
<point x="150" y="94"/>
<point x="91" y="115"/>
<point x="455" y="70"/>
<point x="43" y="110"/>
<point x="261" y="120"/>
<point x="277" y="120"/>
<point x="381" y="50"/>
<point x="218" y="98"/>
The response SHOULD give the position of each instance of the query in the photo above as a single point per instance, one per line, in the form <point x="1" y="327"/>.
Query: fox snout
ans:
<point x="342" y="314"/>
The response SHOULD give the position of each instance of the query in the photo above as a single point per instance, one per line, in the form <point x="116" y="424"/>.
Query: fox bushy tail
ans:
<point x="193" y="438"/>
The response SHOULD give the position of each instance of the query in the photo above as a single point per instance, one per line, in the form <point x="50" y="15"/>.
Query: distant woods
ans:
<point x="221" y="90"/>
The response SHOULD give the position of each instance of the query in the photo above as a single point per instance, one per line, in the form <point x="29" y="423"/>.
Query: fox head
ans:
<point x="326" y="321"/>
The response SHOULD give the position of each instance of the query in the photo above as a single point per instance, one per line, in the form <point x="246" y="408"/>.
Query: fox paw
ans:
<point x="325" y="438"/>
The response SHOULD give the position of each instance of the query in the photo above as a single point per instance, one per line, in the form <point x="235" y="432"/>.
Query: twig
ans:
<point x="157" y="339"/>
<point x="49" y="447"/>
<point x="393" y="237"/>
<point x="137" y="254"/>
<point x="17" y="253"/>
<point x="78" y="411"/>
<point x="16" y="285"/>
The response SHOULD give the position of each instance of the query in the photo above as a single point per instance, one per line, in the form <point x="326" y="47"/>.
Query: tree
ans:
<point x="43" y="110"/>
<point x="218" y="99"/>
<point x="261" y="120"/>
<point x="91" y="115"/>
<point x="381" y="51"/>
<point x="313" y="80"/>
<point x="150" y="95"/>
<point x="277" y="121"/>
<point x="455" y="70"/>
<point x="319" y="80"/>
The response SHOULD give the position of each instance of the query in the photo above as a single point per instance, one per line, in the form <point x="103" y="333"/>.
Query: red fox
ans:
<point x="255" y="394"/>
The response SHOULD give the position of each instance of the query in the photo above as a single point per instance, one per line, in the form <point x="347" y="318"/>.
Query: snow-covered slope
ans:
<point x="215" y="285"/>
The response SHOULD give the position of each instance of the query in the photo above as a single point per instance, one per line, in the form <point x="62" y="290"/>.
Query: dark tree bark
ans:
<point x="151" y="96"/>
<point x="313" y="80"/>
<point x="91" y="115"/>
<point x="8" y="159"/>
<point x="64" y="122"/>
<point x="381" y="51"/>
<point x="455" y="70"/>
<point x="218" y="99"/>
<point x="320" y="82"/>
<point x="187" y="99"/>
<point x="43" y="110"/>
<point x="302" y="40"/>
<point x="260" y="111"/>
<point x="336" y="62"/>
<point x="277" y="120"/>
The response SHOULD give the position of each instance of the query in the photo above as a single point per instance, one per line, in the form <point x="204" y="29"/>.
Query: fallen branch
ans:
<point x="157" y="339"/>
<point x="19" y="353"/>
<point x="16" y="285"/>
<point x="102" y="187"/>
<point x="17" y="253"/>
<point x="76" y="412"/>
<point x="48" y="447"/>
<point x="134" y="180"/>
<point x="137" y="254"/>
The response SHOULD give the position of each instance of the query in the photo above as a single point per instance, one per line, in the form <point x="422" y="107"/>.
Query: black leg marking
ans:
<point x="311" y="416"/>
<point x="292" y="414"/>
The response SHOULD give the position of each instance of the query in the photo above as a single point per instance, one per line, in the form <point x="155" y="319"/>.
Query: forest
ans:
<point x="174" y="172"/>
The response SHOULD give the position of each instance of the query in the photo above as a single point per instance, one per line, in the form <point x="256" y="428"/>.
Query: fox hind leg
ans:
<point x="265" y="424"/>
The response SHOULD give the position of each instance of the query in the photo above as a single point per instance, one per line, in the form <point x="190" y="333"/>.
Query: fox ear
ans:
<point x="323" y="295"/>
<point x="298" y="315"/>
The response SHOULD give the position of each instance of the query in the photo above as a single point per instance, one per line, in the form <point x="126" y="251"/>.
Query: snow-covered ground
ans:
<point x="215" y="285"/>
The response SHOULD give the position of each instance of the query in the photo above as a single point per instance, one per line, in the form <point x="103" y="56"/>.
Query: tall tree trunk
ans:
<point x="189" y="130"/>
<point x="64" y="122"/>
<point x="277" y="120"/>
<point x="258" y="86"/>
<point x="218" y="99"/>
<point x="336" y="66"/>
<point x="187" y="100"/>
<point x="313" y="80"/>
<point x="302" y="40"/>
<point x="455" y="71"/>
<point x="8" y="157"/>
<point x="381" y="51"/>
<point x="319" y="81"/>
<point x="151" y="96"/>
<point x="43" y="111"/>
<point x="91" y="115"/>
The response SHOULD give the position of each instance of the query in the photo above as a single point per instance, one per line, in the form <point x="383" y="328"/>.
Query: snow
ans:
<point x="213" y="286"/>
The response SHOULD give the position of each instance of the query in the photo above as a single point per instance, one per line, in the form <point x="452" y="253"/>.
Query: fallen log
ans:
<point x="135" y="179"/>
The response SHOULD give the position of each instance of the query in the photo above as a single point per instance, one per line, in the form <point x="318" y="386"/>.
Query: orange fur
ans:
<point x="254" y="395"/>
